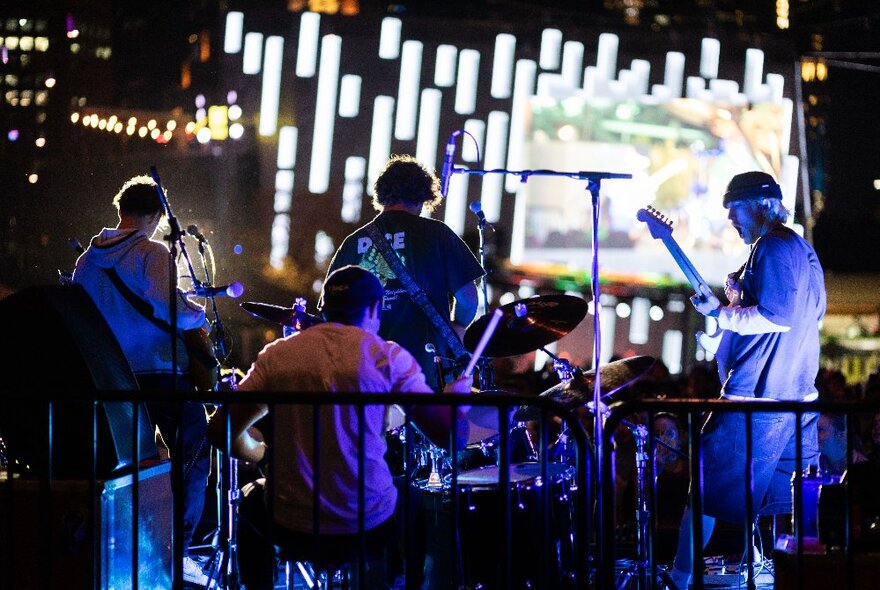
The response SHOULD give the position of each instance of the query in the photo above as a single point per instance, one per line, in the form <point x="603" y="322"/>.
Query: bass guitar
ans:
<point x="660" y="228"/>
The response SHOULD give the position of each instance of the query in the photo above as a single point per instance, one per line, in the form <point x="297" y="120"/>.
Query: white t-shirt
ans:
<point x="333" y="358"/>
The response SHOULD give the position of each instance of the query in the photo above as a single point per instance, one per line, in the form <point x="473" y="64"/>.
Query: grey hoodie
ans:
<point x="142" y="264"/>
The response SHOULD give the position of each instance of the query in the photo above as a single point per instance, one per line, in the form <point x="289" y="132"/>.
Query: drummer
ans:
<point x="345" y="354"/>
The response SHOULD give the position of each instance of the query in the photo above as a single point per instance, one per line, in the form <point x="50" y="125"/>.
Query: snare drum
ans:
<point x="481" y="521"/>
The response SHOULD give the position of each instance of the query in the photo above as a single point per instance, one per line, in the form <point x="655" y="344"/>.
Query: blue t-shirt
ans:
<point x="784" y="279"/>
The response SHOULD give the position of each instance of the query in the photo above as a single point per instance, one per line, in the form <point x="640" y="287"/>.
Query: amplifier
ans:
<point x="47" y="542"/>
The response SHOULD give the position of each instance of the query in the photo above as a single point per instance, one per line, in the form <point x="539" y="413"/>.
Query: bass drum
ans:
<point x="478" y="558"/>
<point x="523" y="448"/>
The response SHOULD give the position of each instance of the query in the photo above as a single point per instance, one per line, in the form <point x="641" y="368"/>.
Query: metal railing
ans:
<point x="838" y="546"/>
<point x="505" y="520"/>
<point x="502" y="520"/>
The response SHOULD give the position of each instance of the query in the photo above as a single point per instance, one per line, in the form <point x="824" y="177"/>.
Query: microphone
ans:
<point x="76" y="245"/>
<point x="194" y="232"/>
<point x="231" y="290"/>
<point x="447" y="163"/>
<point x="478" y="211"/>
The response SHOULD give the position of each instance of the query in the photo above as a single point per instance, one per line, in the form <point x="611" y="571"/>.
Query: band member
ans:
<point x="126" y="273"/>
<point x="345" y="354"/>
<point x="769" y="351"/>
<point x="436" y="258"/>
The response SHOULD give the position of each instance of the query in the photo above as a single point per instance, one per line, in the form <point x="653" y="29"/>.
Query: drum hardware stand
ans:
<point x="434" y="480"/>
<point x="225" y="557"/>
<point x="641" y="567"/>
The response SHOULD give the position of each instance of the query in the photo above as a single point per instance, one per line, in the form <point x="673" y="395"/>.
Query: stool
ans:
<point x="333" y="561"/>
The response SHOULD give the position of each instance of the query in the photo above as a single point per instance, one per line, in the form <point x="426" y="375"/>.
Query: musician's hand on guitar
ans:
<point x="733" y="289"/>
<point x="705" y="302"/>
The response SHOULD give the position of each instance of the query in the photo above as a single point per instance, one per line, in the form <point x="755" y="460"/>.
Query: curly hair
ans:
<point x="404" y="180"/>
<point x="138" y="197"/>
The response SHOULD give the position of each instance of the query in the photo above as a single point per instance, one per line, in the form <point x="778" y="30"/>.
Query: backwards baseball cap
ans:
<point x="750" y="186"/>
<point x="350" y="288"/>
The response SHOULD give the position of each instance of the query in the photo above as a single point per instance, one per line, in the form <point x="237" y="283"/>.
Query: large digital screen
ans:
<point x="680" y="153"/>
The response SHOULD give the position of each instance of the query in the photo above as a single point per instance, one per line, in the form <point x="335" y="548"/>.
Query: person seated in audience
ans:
<point x="832" y="386"/>
<point x="702" y="382"/>
<point x="831" y="431"/>
<point x="672" y="481"/>
<point x="871" y="389"/>
<point x="873" y="441"/>
<point x="344" y="355"/>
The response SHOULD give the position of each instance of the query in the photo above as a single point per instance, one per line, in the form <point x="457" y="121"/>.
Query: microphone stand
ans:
<point x="593" y="180"/>
<point x="225" y="557"/>
<point x="481" y="227"/>
<point x="174" y="239"/>
<point x="221" y="349"/>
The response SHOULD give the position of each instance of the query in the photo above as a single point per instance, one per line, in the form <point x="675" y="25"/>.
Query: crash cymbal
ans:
<point x="286" y="316"/>
<point x="528" y="324"/>
<point x="578" y="391"/>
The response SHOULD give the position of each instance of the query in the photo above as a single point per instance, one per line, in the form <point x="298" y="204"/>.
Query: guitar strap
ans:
<point x="141" y="306"/>
<point x="417" y="294"/>
<point x="146" y="310"/>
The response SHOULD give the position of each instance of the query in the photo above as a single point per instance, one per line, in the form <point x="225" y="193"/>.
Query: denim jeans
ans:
<point x="723" y="456"/>
<point x="192" y="429"/>
<point x="773" y="460"/>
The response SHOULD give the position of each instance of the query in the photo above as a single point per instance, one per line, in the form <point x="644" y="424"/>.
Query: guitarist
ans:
<point x="769" y="351"/>
<point x="437" y="260"/>
<point x="126" y="273"/>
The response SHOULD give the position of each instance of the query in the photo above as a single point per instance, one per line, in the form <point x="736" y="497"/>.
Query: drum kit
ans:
<point x="523" y="327"/>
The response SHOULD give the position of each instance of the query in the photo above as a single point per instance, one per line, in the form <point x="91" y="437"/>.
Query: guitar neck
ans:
<point x="684" y="263"/>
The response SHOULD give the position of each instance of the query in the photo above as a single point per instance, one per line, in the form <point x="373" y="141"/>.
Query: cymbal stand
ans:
<point x="564" y="370"/>
<point x="225" y="558"/>
<point x="641" y="567"/>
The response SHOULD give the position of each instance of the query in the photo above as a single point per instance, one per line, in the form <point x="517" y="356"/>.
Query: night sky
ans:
<point x="848" y="227"/>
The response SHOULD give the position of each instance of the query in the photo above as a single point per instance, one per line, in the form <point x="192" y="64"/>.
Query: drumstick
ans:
<point x="484" y="340"/>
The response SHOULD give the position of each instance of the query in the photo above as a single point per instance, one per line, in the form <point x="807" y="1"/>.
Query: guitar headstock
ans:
<point x="658" y="224"/>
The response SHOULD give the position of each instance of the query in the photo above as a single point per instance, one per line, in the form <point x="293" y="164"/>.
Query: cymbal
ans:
<point x="286" y="316"/>
<point x="578" y="391"/>
<point x="528" y="324"/>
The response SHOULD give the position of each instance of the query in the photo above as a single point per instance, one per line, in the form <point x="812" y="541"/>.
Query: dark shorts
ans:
<point x="773" y="461"/>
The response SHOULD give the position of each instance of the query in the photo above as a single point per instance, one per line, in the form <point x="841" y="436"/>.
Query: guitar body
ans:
<point x="203" y="366"/>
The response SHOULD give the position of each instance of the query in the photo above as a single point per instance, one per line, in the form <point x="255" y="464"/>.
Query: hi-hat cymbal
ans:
<point x="286" y="316"/>
<point x="578" y="391"/>
<point x="528" y="324"/>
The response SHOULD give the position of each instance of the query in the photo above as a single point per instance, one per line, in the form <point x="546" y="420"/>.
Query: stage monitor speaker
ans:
<point x="71" y="516"/>
<point x="56" y="340"/>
